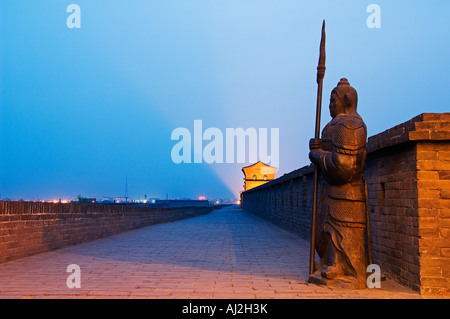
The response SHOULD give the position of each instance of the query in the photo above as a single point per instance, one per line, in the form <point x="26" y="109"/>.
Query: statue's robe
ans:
<point x="341" y="218"/>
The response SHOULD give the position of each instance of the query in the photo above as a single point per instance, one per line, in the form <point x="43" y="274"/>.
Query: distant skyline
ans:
<point x="82" y="110"/>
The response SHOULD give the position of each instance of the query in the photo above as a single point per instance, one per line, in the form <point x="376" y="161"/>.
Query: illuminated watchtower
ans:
<point x="258" y="174"/>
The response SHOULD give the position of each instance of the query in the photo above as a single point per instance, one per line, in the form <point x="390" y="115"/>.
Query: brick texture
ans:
<point x="408" y="176"/>
<point x="434" y="218"/>
<point x="286" y="201"/>
<point x="393" y="213"/>
<point x="30" y="228"/>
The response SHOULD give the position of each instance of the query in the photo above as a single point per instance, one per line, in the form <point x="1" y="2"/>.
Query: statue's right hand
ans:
<point x="315" y="144"/>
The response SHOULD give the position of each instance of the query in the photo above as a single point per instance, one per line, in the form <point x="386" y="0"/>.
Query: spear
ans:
<point x="320" y="75"/>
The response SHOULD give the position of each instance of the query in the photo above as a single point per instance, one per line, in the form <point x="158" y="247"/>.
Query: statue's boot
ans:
<point x="330" y="272"/>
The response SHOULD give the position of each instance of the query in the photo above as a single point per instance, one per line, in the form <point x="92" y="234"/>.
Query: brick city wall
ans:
<point x="408" y="176"/>
<point x="28" y="228"/>
<point x="286" y="201"/>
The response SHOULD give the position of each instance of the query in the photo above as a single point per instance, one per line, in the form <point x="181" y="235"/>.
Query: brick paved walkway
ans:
<point x="226" y="254"/>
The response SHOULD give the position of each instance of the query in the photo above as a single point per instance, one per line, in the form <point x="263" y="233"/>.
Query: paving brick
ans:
<point x="227" y="254"/>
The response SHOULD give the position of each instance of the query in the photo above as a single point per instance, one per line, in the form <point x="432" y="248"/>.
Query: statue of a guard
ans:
<point x="340" y="156"/>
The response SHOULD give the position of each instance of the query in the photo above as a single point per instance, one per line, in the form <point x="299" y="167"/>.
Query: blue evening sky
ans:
<point x="82" y="109"/>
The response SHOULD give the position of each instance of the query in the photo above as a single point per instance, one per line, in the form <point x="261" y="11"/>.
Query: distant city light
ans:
<point x="56" y="201"/>
<point x="201" y="198"/>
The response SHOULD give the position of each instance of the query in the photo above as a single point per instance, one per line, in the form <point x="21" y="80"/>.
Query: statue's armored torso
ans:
<point x="343" y="161"/>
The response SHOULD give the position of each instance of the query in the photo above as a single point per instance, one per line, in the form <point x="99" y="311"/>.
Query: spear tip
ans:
<point x="321" y="66"/>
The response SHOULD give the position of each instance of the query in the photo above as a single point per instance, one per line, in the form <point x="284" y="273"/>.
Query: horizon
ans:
<point x="91" y="111"/>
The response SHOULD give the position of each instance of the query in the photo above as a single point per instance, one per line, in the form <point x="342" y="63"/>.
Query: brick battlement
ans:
<point x="28" y="228"/>
<point x="424" y="127"/>
<point x="408" y="176"/>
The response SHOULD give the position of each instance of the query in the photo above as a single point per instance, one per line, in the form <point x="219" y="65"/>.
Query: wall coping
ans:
<point x="423" y="127"/>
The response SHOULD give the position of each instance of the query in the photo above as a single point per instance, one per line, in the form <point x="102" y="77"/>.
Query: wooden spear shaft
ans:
<point x="320" y="76"/>
<point x="369" y="243"/>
